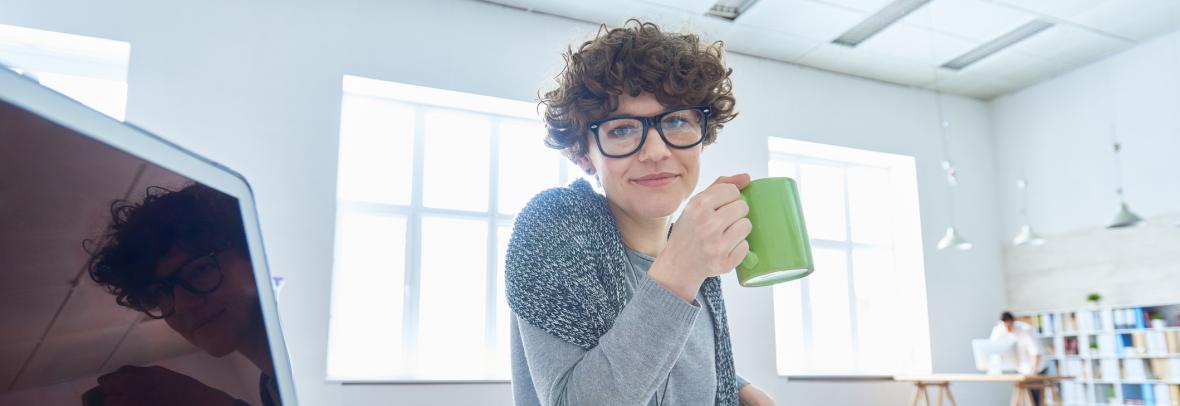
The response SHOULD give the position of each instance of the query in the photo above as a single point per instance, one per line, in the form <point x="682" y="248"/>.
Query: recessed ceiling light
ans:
<point x="730" y="9"/>
<point x="1008" y="39"/>
<point x="883" y="18"/>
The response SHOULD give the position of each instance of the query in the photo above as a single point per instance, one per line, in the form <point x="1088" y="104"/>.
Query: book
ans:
<point x="1163" y="396"/>
<point x="1134" y="369"/>
<point x="1161" y="368"/>
<point x="1156" y="342"/>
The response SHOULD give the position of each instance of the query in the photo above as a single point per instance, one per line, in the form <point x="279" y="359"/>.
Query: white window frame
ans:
<point x="34" y="52"/>
<point x="422" y="99"/>
<point x="906" y="245"/>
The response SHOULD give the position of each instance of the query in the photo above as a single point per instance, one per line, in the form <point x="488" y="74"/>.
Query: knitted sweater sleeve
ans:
<point x="629" y="363"/>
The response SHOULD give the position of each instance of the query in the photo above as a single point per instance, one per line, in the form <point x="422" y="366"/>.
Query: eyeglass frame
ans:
<point x="649" y="122"/>
<point x="172" y="281"/>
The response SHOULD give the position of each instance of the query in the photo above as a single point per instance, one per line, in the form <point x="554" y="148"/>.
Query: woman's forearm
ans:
<point x="630" y="362"/>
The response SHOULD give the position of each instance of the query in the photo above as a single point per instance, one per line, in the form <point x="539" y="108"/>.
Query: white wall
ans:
<point x="256" y="85"/>
<point x="1059" y="132"/>
<point x="1059" y="135"/>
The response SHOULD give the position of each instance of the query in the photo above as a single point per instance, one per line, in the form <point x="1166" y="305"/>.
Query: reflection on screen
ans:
<point x="120" y="282"/>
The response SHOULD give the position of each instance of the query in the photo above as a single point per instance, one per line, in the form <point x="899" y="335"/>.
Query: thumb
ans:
<point x="740" y="180"/>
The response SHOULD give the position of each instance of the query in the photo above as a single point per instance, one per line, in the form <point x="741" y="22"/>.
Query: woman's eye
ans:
<point x="621" y="131"/>
<point x="206" y="268"/>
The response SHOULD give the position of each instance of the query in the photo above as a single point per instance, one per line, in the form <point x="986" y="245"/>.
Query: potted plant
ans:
<point x="1157" y="321"/>
<point x="1094" y="298"/>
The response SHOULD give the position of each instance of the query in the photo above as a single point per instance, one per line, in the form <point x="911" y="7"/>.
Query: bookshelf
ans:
<point x="1119" y="355"/>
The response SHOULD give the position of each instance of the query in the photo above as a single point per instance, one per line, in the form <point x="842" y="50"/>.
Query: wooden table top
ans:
<point x="979" y="378"/>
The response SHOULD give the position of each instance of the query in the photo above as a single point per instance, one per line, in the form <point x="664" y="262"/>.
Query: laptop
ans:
<point x="130" y="268"/>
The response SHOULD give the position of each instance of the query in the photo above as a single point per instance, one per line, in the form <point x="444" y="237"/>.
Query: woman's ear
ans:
<point x="584" y="162"/>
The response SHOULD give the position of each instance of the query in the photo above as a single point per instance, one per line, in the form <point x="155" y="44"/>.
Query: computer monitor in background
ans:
<point x="995" y="356"/>
<point x="178" y="301"/>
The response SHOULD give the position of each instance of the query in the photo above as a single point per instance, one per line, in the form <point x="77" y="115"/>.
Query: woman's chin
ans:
<point x="653" y="209"/>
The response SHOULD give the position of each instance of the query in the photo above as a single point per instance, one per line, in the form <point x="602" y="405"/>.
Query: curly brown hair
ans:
<point x="197" y="219"/>
<point x="679" y="69"/>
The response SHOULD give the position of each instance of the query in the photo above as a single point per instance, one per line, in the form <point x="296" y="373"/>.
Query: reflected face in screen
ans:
<point x="220" y="321"/>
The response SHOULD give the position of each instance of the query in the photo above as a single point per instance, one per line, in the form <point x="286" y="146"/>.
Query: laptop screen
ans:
<point x="131" y="271"/>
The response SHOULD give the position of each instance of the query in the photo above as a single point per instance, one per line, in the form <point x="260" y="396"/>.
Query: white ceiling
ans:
<point x="906" y="53"/>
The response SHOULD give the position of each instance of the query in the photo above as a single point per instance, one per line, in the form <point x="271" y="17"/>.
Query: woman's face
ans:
<point x="218" y="322"/>
<point x="653" y="182"/>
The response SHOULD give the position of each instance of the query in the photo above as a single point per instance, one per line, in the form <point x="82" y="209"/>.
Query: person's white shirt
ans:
<point x="1028" y="347"/>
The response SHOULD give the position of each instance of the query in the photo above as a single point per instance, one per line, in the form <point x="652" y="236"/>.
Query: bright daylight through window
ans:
<point x="863" y="310"/>
<point x="429" y="183"/>
<point x="88" y="69"/>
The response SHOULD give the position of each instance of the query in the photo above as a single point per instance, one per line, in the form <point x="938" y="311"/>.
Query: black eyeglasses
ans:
<point x="201" y="275"/>
<point x="620" y="137"/>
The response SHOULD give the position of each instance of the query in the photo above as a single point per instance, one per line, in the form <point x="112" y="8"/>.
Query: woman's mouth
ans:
<point x="656" y="179"/>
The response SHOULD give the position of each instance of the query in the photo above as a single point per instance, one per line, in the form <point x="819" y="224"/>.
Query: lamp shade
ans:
<point x="1125" y="218"/>
<point x="1027" y="236"/>
<point x="952" y="239"/>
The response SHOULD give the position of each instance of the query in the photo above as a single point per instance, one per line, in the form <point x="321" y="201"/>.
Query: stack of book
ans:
<point x="1134" y="369"/>
<point x="1167" y="395"/>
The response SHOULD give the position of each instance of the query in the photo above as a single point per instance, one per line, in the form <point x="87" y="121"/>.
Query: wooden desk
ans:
<point x="1022" y="386"/>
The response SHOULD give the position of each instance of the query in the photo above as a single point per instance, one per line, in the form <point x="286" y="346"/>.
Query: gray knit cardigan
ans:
<point x="564" y="274"/>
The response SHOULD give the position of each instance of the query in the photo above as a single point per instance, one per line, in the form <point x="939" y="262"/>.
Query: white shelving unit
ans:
<point x="1116" y="353"/>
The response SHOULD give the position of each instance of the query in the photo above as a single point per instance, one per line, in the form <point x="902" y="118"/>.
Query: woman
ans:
<point x="612" y="305"/>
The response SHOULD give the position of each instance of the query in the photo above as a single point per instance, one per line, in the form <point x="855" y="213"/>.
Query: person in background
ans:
<point x="1030" y="360"/>
<point x="181" y="256"/>
<point x="611" y="304"/>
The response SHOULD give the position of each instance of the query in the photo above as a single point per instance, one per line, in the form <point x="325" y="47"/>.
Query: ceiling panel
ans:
<point x="970" y="19"/>
<point x="1069" y="45"/>
<point x="975" y="85"/>
<point x="867" y="6"/>
<point x="898" y="71"/>
<point x="917" y="45"/>
<point x="1015" y="67"/>
<point x="1136" y="20"/>
<point x="12" y="358"/>
<point x="769" y="44"/>
<point x="807" y="19"/>
<point x="692" y="6"/>
<point x="800" y="31"/>
<point x="1058" y="9"/>
<point x="37" y="305"/>
<point x="522" y="4"/>
<point x="90" y="308"/>
<point x="65" y="357"/>
<point x="837" y="58"/>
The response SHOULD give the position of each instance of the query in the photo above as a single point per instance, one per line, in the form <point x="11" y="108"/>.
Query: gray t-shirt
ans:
<point x="660" y="351"/>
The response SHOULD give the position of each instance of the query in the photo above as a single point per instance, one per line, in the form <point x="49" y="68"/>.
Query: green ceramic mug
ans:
<point x="780" y="250"/>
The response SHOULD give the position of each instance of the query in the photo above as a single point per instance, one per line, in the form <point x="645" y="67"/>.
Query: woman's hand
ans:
<point x="750" y="395"/>
<point x="155" y="385"/>
<point x="709" y="238"/>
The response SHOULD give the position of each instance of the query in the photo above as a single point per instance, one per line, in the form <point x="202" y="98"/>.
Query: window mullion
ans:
<point x="414" y="246"/>
<point x="805" y="298"/>
<point x="490" y="286"/>
<point x="853" y="314"/>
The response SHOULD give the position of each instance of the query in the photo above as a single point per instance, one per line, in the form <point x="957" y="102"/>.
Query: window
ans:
<point x="90" y="70"/>
<point x="429" y="182"/>
<point x="863" y="310"/>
